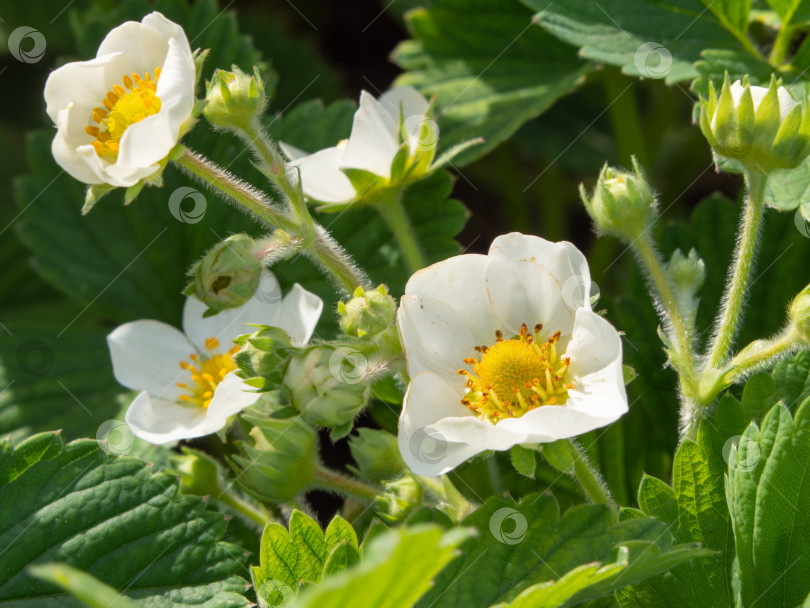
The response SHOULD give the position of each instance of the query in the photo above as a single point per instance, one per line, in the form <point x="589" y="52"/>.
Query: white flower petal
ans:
<point x="322" y="179"/>
<point x="531" y="280"/>
<point x="175" y="88"/>
<point x="65" y="152"/>
<point x="435" y="338"/>
<point x="146" y="142"/>
<point x="291" y="152"/>
<point x="300" y="312"/>
<point x="373" y="142"/>
<point x="146" y="355"/>
<point x="427" y="452"/>
<point x="83" y="84"/>
<point x="459" y="282"/>
<point x="264" y="308"/>
<point x="231" y="396"/>
<point x="161" y="421"/>
<point x="405" y="99"/>
<point x="115" y="175"/>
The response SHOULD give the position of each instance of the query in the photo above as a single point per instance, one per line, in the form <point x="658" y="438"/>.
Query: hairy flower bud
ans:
<point x="227" y="276"/>
<point x="263" y="356"/>
<point x="368" y="313"/>
<point x="400" y="499"/>
<point x="800" y="314"/>
<point x="689" y="271"/>
<point x="376" y="454"/>
<point x="326" y="385"/>
<point x="234" y="98"/>
<point x="199" y="473"/>
<point x="762" y="128"/>
<point x="280" y="460"/>
<point x="622" y="203"/>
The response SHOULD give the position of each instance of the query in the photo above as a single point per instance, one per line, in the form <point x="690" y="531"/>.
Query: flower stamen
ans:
<point x="121" y="110"/>
<point x="512" y="377"/>
<point x="207" y="371"/>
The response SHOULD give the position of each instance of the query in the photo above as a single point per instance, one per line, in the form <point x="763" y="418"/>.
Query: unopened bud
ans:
<point x="227" y="276"/>
<point x="199" y="473"/>
<point x="622" y="203"/>
<point x="762" y="128"/>
<point x="367" y="313"/>
<point x="376" y="454"/>
<point x="689" y="271"/>
<point x="325" y="384"/>
<point x="280" y="459"/>
<point x="400" y="499"/>
<point x="263" y="356"/>
<point x="800" y="314"/>
<point x="234" y="98"/>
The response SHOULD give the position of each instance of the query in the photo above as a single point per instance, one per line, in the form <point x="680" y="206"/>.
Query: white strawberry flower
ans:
<point x="502" y="350"/>
<point x="187" y="380"/>
<point x="118" y="115"/>
<point x="382" y="127"/>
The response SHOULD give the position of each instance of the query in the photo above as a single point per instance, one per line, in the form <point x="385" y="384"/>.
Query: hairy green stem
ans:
<point x="725" y="328"/>
<point x="240" y="505"/>
<point x="589" y="479"/>
<point x="781" y="46"/>
<point x="342" y="484"/>
<point x="389" y="205"/>
<point x="315" y="241"/>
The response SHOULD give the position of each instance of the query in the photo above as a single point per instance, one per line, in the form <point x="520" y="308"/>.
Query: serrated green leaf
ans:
<point x="523" y="544"/>
<point x="646" y="38"/>
<point x="523" y="460"/>
<point x="397" y="567"/>
<point x="294" y="558"/>
<point x="768" y="489"/>
<point x="695" y="510"/>
<point x="759" y="394"/>
<point x="489" y="68"/>
<point x="113" y="518"/>
<point x="791" y="377"/>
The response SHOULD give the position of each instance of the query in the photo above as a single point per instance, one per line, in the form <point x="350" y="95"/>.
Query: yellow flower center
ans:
<point x="207" y="371"/>
<point x="121" y="110"/>
<point x="515" y="376"/>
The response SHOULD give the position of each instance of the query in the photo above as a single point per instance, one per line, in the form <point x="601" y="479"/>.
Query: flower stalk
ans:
<point x="343" y="484"/>
<point x="389" y="205"/>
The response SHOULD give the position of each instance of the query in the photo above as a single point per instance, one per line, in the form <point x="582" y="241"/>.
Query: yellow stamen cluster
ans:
<point x="121" y="110"/>
<point x="207" y="371"/>
<point x="515" y="376"/>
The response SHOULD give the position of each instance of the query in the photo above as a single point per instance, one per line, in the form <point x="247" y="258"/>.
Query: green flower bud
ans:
<point x="800" y="314"/>
<point x="227" y="276"/>
<point x="376" y="454"/>
<point x="279" y="461"/>
<point x="400" y="499"/>
<point x="199" y="474"/>
<point x="234" y="98"/>
<point x="622" y="203"/>
<point x="263" y="356"/>
<point x="368" y="313"/>
<point x="689" y="271"/>
<point x="326" y="384"/>
<point x="761" y="128"/>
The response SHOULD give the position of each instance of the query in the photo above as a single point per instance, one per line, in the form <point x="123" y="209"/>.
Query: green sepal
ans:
<point x="523" y="459"/>
<point x="94" y="194"/>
